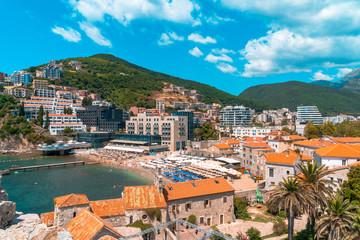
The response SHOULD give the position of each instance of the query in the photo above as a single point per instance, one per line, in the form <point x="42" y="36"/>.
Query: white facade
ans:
<point x="333" y="162"/>
<point x="45" y="93"/>
<point x="251" y="131"/>
<point x="62" y="118"/>
<point x="58" y="128"/>
<point x="236" y="116"/>
<point x="309" y="113"/>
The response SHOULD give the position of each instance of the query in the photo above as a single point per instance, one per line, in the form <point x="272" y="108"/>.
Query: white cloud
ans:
<point x="216" y="20"/>
<point x="226" y="68"/>
<point x="200" y="39"/>
<point x="95" y="34"/>
<point x="284" y="51"/>
<point x="342" y="72"/>
<point x="169" y="38"/>
<point x="68" y="34"/>
<point x="221" y="58"/>
<point x="320" y="76"/>
<point x="124" y="11"/>
<point x="196" y="52"/>
<point x="223" y="50"/>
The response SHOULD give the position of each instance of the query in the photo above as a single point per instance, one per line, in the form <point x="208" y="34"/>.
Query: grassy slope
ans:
<point x="292" y="94"/>
<point x="102" y="76"/>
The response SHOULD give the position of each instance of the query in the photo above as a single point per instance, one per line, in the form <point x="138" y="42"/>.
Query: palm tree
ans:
<point x="354" y="232"/>
<point x="291" y="197"/>
<point x="313" y="178"/>
<point x="337" y="218"/>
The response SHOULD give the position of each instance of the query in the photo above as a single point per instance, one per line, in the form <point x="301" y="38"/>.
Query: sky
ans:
<point x="229" y="44"/>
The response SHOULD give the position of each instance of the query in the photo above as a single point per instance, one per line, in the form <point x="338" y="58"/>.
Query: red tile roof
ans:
<point x="87" y="225"/>
<point x="47" y="218"/>
<point x="222" y="146"/>
<point x="296" y="137"/>
<point x="279" y="133"/>
<point x="280" y="158"/>
<point x="71" y="200"/>
<point x="231" y="141"/>
<point x="203" y="187"/>
<point x="340" y="150"/>
<point x="142" y="197"/>
<point x="253" y="139"/>
<point x="256" y="145"/>
<point x="313" y="143"/>
<point x="107" y="208"/>
<point x="346" y="139"/>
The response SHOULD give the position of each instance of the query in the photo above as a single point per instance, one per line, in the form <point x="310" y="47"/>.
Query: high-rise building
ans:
<point x="190" y="122"/>
<point x="309" y="113"/>
<point x="236" y="116"/>
<point x="21" y="77"/>
<point x="160" y="105"/>
<point x="105" y="119"/>
<point x="172" y="129"/>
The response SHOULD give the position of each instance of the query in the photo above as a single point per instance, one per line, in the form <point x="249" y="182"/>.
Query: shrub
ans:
<point x="253" y="234"/>
<point x="192" y="219"/>
<point x="141" y="225"/>
<point x="240" y="236"/>
<point x="280" y="228"/>
<point x="282" y="214"/>
<point x="240" y="206"/>
<point x="151" y="212"/>
<point x="68" y="130"/>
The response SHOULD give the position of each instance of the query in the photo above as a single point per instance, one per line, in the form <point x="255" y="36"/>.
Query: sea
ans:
<point x="34" y="191"/>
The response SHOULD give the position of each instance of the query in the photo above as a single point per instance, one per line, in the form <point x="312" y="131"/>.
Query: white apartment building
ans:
<point x="236" y="116"/>
<point x="160" y="105"/>
<point x="309" y="113"/>
<point x="58" y="128"/>
<point x="240" y="132"/>
<point x="172" y="129"/>
<point x="339" y="119"/>
<point x="45" y="93"/>
<point x="62" y="118"/>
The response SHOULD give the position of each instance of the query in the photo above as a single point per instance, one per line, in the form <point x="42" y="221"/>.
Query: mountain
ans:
<point x="350" y="82"/>
<point x="135" y="86"/>
<point x="293" y="93"/>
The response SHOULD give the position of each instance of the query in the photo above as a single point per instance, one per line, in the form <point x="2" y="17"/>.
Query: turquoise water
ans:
<point x="34" y="191"/>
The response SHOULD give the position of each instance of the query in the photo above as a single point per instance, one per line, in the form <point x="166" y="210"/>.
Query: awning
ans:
<point x="126" y="149"/>
<point x="228" y="160"/>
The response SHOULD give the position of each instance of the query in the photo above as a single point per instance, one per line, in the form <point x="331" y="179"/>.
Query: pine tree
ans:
<point x="22" y="110"/>
<point x="40" y="116"/>
<point x="47" y="120"/>
<point x="65" y="110"/>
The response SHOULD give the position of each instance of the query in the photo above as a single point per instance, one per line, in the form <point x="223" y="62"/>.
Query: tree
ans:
<point x="40" y="116"/>
<point x="354" y="232"/>
<point x="65" y="110"/>
<point x="87" y="101"/>
<point x="70" y="111"/>
<point x="240" y="208"/>
<point x="312" y="131"/>
<point x="328" y="129"/>
<point x="206" y="132"/>
<point x="68" y="130"/>
<point x="21" y="110"/>
<point x="253" y="234"/>
<point x="292" y="198"/>
<point x="336" y="220"/>
<point x="47" y="120"/>
<point x="351" y="187"/>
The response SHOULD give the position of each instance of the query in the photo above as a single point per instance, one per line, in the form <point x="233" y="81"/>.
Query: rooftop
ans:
<point x="346" y="139"/>
<point x="107" y="208"/>
<point x="256" y="145"/>
<point x="231" y="141"/>
<point x="47" y="218"/>
<point x="313" y="143"/>
<point x="222" y="146"/>
<point x="340" y="150"/>
<point x="196" y="188"/>
<point x="71" y="200"/>
<point x="142" y="197"/>
<point x="280" y="158"/>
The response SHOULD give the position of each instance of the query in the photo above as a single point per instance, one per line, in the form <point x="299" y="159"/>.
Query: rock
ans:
<point x="26" y="219"/>
<point x="64" y="235"/>
<point x="7" y="212"/>
<point x="38" y="230"/>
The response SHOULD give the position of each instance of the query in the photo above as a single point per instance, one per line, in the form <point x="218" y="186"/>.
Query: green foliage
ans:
<point x="47" y="120"/>
<point x="351" y="187"/>
<point x="49" y="140"/>
<point x="240" y="209"/>
<point x="21" y="110"/>
<point x="312" y="131"/>
<point x="293" y="93"/>
<point x="253" y="234"/>
<point x="282" y="214"/>
<point x="68" y="130"/>
<point x="192" y="219"/>
<point x="141" y="225"/>
<point x="206" y="132"/>
<point x="87" y="101"/>
<point x="151" y="212"/>
<point x="280" y="228"/>
<point x="288" y="130"/>
<point x="40" y="116"/>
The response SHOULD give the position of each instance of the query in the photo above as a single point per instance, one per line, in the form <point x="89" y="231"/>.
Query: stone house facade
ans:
<point x="221" y="149"/>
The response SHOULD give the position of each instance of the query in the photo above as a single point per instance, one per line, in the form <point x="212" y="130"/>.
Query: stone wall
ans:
<point x="62" y="216"/>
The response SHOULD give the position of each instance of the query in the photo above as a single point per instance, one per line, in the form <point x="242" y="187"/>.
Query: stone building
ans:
<point x="211" y="201"/>
<point x="111" y="210"/>
<point x="279" y="166"/>
<point x="221" y="149"/>
<point x="279" y="140"/>
<point x="308" y="147"/>
<point x="67" y="207"/>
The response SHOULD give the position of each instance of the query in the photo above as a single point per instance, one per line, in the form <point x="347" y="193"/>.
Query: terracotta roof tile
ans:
<point x="71" y="200"/>
<point x="346" y="139"/>
<point x="296" y="137"/>
<point x="107" y="238"/>
<point x="253" y="139"/>
<point x="313" y="143"/>
<point x="280" y="158"/>
<point x="142" y="197"/>
<point x="279" y="133"/>
<point x="231" y="141"/>
<point x="47" y="218"/>
<point x="107" y="208"/>
<point x="340" y="150"/>
<point x="203" y="187"/>
<point x="256" y="145"/>
<point x="222" y="146"/>
<point x="86" y="225"/>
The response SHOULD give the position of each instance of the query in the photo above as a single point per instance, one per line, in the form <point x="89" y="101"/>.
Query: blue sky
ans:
<point x="229" y="44"/>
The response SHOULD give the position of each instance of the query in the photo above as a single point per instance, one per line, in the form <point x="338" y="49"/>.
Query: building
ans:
<point x="95" y="97"/>
<point x="137" y="143"/>
<point x="40" y="84"/>
<point x="64" y="95"/>
<point x="19" y="92"/>
<point x="236" y="116"/>
<point x="309" y="113"/>
<point x="45" y="93"/>
<point x="279" y="140"/>
<point x="104" y="119"/>
<point x="308" y="147"/>
<point x="62" y="118"/>
<point x="136" y="110"/>
<point x="210" y="200"/>
<point x="97" y="139"/>
<point x="279" y="166"/>
<point x="221" y="149"/>
<point x="58" y="128"/>
<point x="250" y="157"/>
<point x="2" y="77"/>
<point x="21" y="78"/>
<point x="190" y="122"/>
<point x="172" y="129"/>
<point x="338" y="155"/>
<point x="241" y="132"/>
<point x="160" y="105"/>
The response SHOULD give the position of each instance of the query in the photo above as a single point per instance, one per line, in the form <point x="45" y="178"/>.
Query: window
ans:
<point x="343" y="162"/>
<point x="173" y="208"/>
<point x="288" y="172"/>
<point x="224" y="199"/>
<point x="221" y="219"/>
<point x="74" y="214"/>
<point x="207" y="203"/>
<point x="131" y="219"/>
<point x="340" y="180"/>
<point x="188" y="207"/>
<point x="271" y="172"/>
<point x="272" y="183"/>
<point x="202" y="220"/>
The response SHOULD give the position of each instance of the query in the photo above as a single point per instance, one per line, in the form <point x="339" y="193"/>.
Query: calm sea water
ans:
<point x="34" y="191"/>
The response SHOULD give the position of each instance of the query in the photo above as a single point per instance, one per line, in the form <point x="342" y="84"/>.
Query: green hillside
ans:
<point x="101" y="75"/>
<point x="292" y="94"/>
